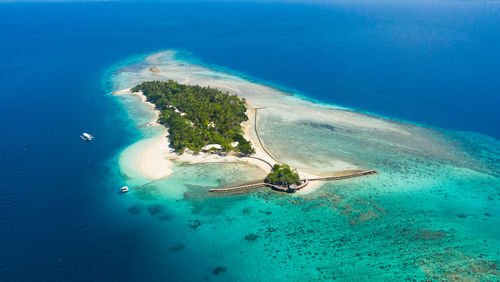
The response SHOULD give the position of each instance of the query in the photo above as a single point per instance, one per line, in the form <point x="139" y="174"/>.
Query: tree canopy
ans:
<point x="282" y="175"/>
<point x="197" y="116"/>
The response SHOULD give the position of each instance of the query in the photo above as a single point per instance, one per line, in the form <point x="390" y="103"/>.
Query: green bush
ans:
<point x="282" y="175"/>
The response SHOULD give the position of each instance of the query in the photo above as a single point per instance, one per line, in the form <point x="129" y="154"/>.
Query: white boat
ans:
<point x="86" y="137"/>
<point x="124" y="189"/>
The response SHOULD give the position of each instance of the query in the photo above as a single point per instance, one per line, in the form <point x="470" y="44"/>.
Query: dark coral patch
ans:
<point x="430" y="235"/>
<point x="247" y="210"/>
<point x="194" y="224"/>
<point x="155" y="209"/>
<point x="165" y="217"/>
<point x="251" y="237"/>
<point x="218" y="270"/>
<point x="177" y="248"/>
<point x="134" y="210"/>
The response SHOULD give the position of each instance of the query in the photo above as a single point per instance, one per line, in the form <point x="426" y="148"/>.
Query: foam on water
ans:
<point x="431" y="211"/>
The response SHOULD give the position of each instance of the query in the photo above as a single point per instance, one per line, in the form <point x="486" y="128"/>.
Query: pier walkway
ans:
<point x="237" y="188"/>
<point x="260" y="159"/>
<point x="344" y="176"/>
<point x="292" y="188"/>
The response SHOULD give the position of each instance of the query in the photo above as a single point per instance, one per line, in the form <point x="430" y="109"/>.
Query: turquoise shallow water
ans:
<point x="429" y="213"/>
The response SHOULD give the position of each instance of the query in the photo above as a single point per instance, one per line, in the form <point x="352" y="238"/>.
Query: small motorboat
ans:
<point x="86" y="137"/>
<point x="124" y="189"/>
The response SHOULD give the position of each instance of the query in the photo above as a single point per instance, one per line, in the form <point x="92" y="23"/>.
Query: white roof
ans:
<point x="211" y="146"/>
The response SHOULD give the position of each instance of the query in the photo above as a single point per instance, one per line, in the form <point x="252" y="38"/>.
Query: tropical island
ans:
<point x="207" y="120"/>
<point x="198" y="124"/>
<point x="199" y="118"/>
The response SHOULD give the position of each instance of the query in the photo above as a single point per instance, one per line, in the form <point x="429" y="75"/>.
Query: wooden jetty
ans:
<point x="237" y="188"/>
<point x="345" y="176"/>
<point x="262" y="160"/>
<point x="292" y="188"/>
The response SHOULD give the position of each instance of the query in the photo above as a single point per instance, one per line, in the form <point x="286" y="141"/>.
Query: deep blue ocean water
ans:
<point x="433" y="63"/>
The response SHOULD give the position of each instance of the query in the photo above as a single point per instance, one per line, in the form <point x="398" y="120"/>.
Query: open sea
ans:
<point x="426" y="214"/>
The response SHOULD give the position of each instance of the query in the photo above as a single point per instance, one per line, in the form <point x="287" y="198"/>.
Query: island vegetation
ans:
<point x="282" y="175"/>
<point x="198" y="116"/>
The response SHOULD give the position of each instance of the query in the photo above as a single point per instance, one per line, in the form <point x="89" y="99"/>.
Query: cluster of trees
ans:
<point x="197" y="116"/>
<point x="282" y="175"/>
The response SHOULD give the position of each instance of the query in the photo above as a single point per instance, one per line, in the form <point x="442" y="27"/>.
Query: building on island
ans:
<point x="212" y="146"/>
